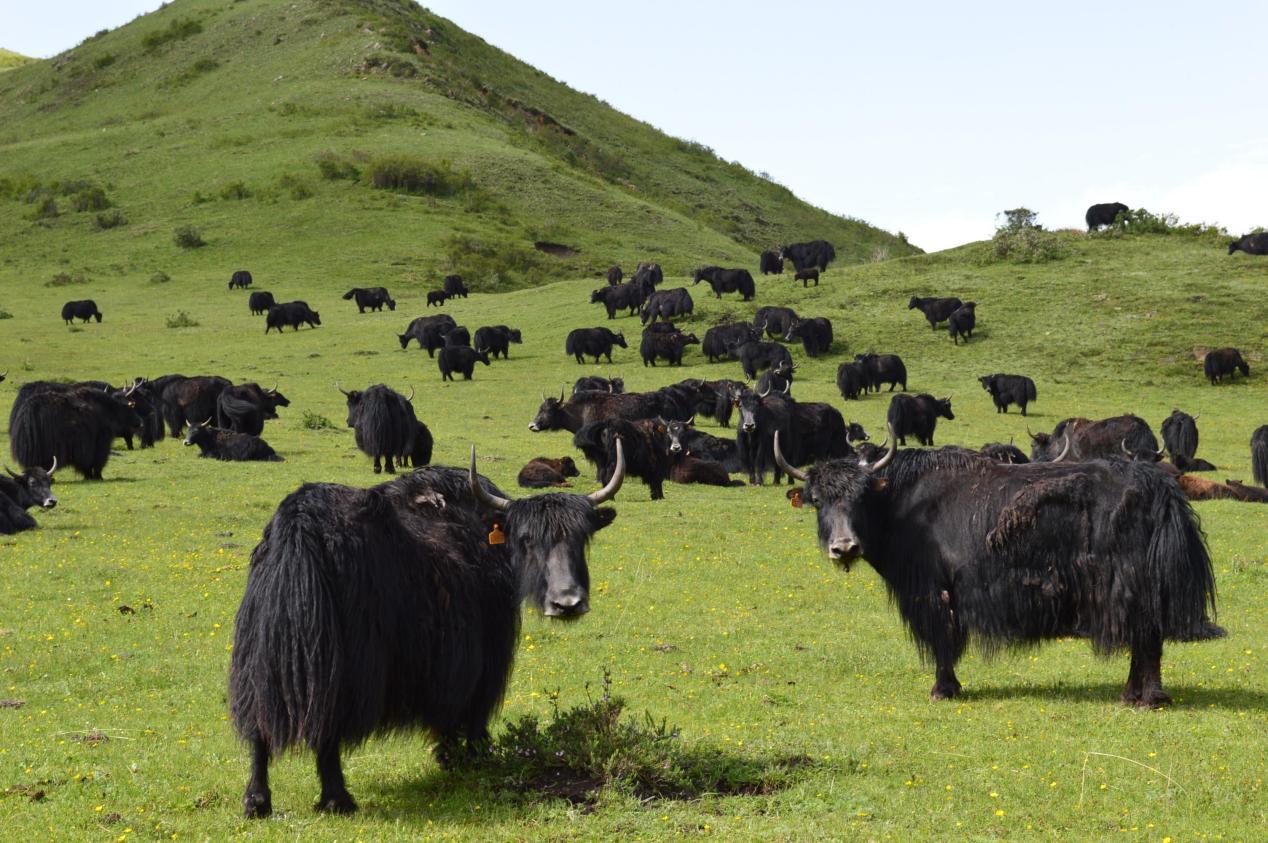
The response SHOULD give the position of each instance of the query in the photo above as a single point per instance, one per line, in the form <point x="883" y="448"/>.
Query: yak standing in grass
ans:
<point x="293" y="314"/>
<point x="1014" y="555"/>
<point x="497" y="339"/>
<point x="1009" y="389"/>
<point x="1180" y="436"/>
<point x="83" y="310"/>
<point x="935" y="309"/>
<point x="645" y="448"/>
<point x="726" y="281"/>
<point x="667" y="304"/>
<point x="53" y="424"/>
<point x="382" y="609"/>
<point x="384" y="423"/>
<point x="917" y="415"/>
<point x="244" y="408"/>
<point x="774" y="320"/>
<point x="1224" y="363"/>
<point x="961" y="323"/>
<point x="220" y="444"/>
<point x="240" y="279"/>
<point x="614" y="275"/>
<point x="370" y="297"/>
<point x="1251" y="244"/>
<point x="430" y="332"/>
<point x="593" y="342"/>
<point x="770" y="263"/>
<point x="816" y="253"/>
<point x="454" y="287"/>
<point x="805" y="276"/>
<point x="1259" y="455"/>
<point x="717" y="338"/>
<point x="460" y="359"/>
<point x="260" y="302"/>
<point x="620" y="297"/>
<point x="883" y="369"/>
<point x="852" y="380"/>
<point x="1104" y="214"/>
<point x="181" y="398"/>
<point x="815" y="334"/>
<point x="20" y="492"/>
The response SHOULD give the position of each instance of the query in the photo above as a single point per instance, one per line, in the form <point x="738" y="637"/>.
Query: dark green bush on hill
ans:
<point x="1021" y="240"/>
<point x="1141" y="222"/>
<point x="188" y="237"/>
<point x="91" y="199"/>
<point x="416" y="175"/>
<point x="177" y="30"/>
<point x="488" y="265"/>
<point x="114" y="219"/>
<point x="335" y="166"/>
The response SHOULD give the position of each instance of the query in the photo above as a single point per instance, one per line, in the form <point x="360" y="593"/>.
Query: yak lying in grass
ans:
<point x="1108" y="550"/>
<point x="228" y="445"/>
<point x="383" y="609"/>
<point x="542" y="472"/>
<point x="20" y="492"/>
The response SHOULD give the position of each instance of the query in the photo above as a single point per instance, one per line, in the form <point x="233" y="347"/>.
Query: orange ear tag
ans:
<point x="496" y="536"/>
<point x="794" y="498"/>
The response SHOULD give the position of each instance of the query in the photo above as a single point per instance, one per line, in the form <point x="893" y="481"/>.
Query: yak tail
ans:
<point x="1259" y="455"/>
<point x="1031" y="393"/>
<point x="1177" y="590"/>
<point x="570" y="344"/>
<point x="286" y="671"/>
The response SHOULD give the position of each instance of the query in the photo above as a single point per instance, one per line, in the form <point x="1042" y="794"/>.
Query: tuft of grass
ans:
<point x="160" y="277"/>
<point x="91" y="199"/>
<point x="316" y="421"/>
<point x="334" y="166"/>
<point x="177" y="30"/>
<point x="4" y="314"/>
<point x="45" y="209"/>
<point x="234" y="190"/>
<point x="68" y="279"/>
<point x="181" y="319"/>
<point x="407" y="174"/>
<point x="114" y="219"/>
<point x="188" y="237"/>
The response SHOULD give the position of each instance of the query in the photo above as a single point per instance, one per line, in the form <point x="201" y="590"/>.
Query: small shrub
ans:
<point x="114" y="219"/>
<point x="67" y="279"/>
<point x="398" y="66"/>
<point x="160" y="277"/>
<point x="195" y="70"/>
<point x="1027" y="245"/>
<point x="177" y="30"/>
<point x="91" y="199"/>
<point x="418" y="176"/>
<point x="45" y="209"/>
<point x="1142" y="222"/>
<point x="4" y="314"/>
<point x="313" y="421"/>
<point x="335" y="166"/>
<point x="181" y="319"/>
<point x="295" y="186"/>
<point x="102" y="62"/>
<point x="188" y="237"/>
<point x="235" y="190"/>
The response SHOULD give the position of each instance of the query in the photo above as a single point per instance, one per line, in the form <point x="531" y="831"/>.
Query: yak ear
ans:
<point x="877" y="484"/>
<point x="606" y="515"/>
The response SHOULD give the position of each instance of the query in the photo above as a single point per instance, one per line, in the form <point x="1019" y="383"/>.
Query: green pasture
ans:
<point x="712" y="609"/>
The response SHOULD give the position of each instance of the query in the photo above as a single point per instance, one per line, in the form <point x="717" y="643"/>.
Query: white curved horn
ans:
<point x="618" y="477"/>
<point x="795" y="473"/>
<point x="479" y="491"/>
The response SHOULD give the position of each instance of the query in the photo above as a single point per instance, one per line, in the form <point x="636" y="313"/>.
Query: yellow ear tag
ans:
<point x="496" y="536"/>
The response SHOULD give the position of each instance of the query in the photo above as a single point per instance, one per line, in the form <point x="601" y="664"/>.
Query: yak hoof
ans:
<point x="257" y="806"/>
<point x="944" y="691"/>
<point x="340" y="803"/>
<point x="1156" y="698"/>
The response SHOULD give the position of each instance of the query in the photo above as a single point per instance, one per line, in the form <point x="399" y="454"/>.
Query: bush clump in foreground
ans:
<point x="188" y="237"/>
<point x="590" y="747"/>
<point x="416" y="175"/>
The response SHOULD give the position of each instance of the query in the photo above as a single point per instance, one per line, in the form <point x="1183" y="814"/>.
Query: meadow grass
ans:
<point x="713" y="610"/>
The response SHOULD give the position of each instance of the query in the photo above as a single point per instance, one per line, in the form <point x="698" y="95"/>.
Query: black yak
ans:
<point x="72" y="425"/>
<point x="1104" y="214"/>
<point x="754" y="356"/>
<point x="816" y="253"/>
<point x="669" y="346"/>
<point x="218" y="443"/>
<point x="454" y="288"/>
<point x="496" y="339"/>
<point x="852" y="380"/>
<point x="457" y="335"/>
<point x="244" y="408"/>
<point x="384" y="423"/>
<point x="592" y="406"/>
<point x="460" y="359"/>
<point x="805" y="276"/>
<point x="760" y="418"/>
<point x="595" y="383"/>
<point x="1009" y="389"/>
<point x="20" y="492"/>
<point x="667" y="304"/>
<point x="917" y="415"/>
<point x="1224" y="362"/>
<point x="1259" y="455"/>
<point x="882" y="369"/>
<point x="774" y="320"/>
<point x="372" y="297"/>
<point x="935" y="309"/>
<point x="770" y="263"/>
<point x="592" y="342"/>
<point x="645" y="448"/>
<point x="541" y="472"/>
<point x="614" y="275"/>
<point x="815" y="334"/>
<point x="182" y="398"/>
<point x="436" y="297"/>
<point x="84" y="310"/>
<point x="961" y="323"/>
<point x="685" y="440"/>
<point x="649" y="275"/>
<point x="726" y="281"/>
<point x="777" y="379"/>
<point x="260" y="302"/>
<point x="429" y="331"/>
<point x="1180" y="435"/>
<point x="621" y="297"/>
<point x="382" y="609"/>
<point x="1000" y="452"/>
<point x="1104" y="439"/>
<point x="1014" y="555"/>
<point x="1251" y="244"/>
<point x="717" y="338"/>
<point x="291" y="313"/>
<point x="240" y="279"/>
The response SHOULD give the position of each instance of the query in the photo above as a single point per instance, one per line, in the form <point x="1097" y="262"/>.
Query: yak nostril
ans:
<point x="50" y="503"/>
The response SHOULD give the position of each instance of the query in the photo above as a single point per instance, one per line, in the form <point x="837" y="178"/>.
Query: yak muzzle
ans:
<point x="748" y="427"/>
<point x="49" y="502"/>
<point x="566" y="606"/>
<point x="533" y="427"/>
<point x="675" y="448"/>
<point x="843" y="551"/>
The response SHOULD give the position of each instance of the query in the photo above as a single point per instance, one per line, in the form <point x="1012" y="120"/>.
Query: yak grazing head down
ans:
<point x="836" y="490"/>
<point x="547" y="537"/>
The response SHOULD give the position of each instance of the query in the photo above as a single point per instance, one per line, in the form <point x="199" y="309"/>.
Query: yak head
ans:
<point x="316" y="317"/>
<point x="404" y="339"/>
<point x="33" y="487"/>
<point x="942" y="408"/>
<point x="676" y="433"/>
<point x="913" y="303"/>
<point x="1243" y="366"/>
<point x="838" y="491"/>
<point x="391" y="305"/>
<point x="348" y="295"/>
<point x="599" y="295"/>
<point x="199" y="433"/>
<point x="547" y="537"/>
<point x="616" y="386"/>
<point x="854" y="432"/>
<point x="619" y="339"/>
<point x="988" y="383"/>
<point x="515" y="335"/>
<point x="794" y="330"/>
<point x="1234" y="245"/>
<point x="749" y="403"/>
<point x="550" y="415"/>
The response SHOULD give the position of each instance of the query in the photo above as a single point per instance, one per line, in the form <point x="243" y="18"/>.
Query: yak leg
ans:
<point x="1147" y="659"/>
<point x="335" y="797"/>
<point x="378" y="468"/>
<point x="257" y="802"/>
<point x="658" y="488"/>
<point x="1131" y="691"/>
<point x="948" y="645"/>
<point x="387" y="464"/>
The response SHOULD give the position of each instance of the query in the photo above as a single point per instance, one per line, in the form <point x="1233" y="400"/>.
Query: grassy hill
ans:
<point x="266" y="125"/>
<point x="712" y="609"/>
<point x="10" y="60"/>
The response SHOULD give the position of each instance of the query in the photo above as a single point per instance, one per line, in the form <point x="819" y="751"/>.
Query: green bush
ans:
<point x="295" y="186"/>
<point x="333" y="166"/>
<point x="46" y="209"/>
<point x="177" y="30"/>
<point x="1142" y="222"/>
<point x="114" y="219"/>
<point x="490" y="265"/>
<point x="418" y="176"/>
<point x="4" y="314"/>
<point x="313" y="421"/>
<point x="235" y="190"/>
<point x="181" y="319"/>
<point x="160" y="277"/>
<point x="1027" y="245"/>
<point x="91" y="199"/>
<point x="102" y="62"/>
<point x="188" y="237"/>
<point x="66" y="279"/>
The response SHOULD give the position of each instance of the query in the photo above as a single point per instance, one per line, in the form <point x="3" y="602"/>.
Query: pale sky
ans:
<point x="923" y="117"/>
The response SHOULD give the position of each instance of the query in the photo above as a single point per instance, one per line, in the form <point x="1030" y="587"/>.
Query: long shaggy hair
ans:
<point x="1259" y="455"/>
<point x="1180" y="435"/>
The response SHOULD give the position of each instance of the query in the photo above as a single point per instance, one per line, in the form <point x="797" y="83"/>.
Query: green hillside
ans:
<point x="10" y="60"/>
<point x="266" y="125"/>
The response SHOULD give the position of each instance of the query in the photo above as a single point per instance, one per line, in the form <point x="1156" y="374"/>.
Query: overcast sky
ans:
<point x="923" y="117"/>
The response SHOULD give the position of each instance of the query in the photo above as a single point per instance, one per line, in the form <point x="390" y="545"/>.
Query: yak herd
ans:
<point x="397" y="606"/>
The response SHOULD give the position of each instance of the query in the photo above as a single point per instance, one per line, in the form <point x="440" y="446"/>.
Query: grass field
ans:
<point x="712" y="609"/>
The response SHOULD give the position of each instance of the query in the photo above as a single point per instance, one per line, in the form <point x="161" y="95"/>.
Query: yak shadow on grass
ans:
<point x="1183" y="696"/>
